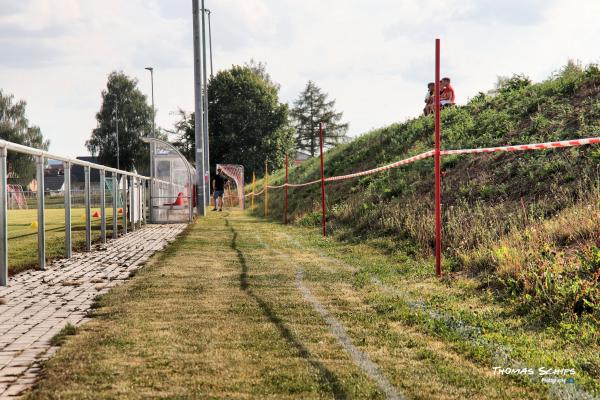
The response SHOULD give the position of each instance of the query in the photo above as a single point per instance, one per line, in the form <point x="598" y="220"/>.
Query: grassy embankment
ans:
<point x="222" y="313"/>
<point x="521" y="230"/>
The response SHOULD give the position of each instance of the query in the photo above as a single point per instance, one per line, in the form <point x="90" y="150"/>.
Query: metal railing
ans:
<point x="134" y="194"/>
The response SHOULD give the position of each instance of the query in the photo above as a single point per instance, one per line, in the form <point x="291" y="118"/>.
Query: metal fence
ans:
<point x="132" y="188"/>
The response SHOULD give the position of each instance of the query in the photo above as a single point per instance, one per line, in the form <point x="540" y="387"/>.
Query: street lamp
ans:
<point x="116" y="113"/>
<point x="152" y="147"/>
<point x="153" y="110"/>
<point x="206" y="10"/>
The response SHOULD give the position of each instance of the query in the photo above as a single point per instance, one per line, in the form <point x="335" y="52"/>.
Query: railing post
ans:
<point x="102" y="206"/>
<point x="124" y="192"/>
<point x="67" y="192"/>
<point x="323" y="205"/>
<point x="438" y="175"/>
<point x="88" y="214"/>
<point x="115" y="195"/>
<point x="3" y="220"/>
<point x="41" y="217"/>
<point x="142" y="208"/>
<point x="132" y="202"/>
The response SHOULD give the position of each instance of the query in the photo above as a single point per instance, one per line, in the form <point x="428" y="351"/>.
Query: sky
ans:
<point x="373" y="57"/>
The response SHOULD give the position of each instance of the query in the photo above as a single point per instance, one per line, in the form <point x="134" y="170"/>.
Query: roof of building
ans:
<point x="54" y="182"/>
<point x="78" y="171"/>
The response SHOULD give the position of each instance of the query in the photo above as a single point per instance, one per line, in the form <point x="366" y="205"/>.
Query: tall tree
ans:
<point x="184" y="133"/>
<point x="124" y="103"/>
<point x="248" y="124"/>
<point x="15" y="127"/>
<point x="311" y="108"/>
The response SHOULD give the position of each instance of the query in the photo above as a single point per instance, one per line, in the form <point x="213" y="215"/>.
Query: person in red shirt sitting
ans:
<point x="447" y="94"/>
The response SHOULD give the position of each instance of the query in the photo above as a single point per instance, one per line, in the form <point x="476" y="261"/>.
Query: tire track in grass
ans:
<point x="361" y="359"/>
<point x="328" y="378"/>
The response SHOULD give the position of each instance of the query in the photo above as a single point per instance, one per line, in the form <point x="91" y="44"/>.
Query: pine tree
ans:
<point x="310" y="109"/>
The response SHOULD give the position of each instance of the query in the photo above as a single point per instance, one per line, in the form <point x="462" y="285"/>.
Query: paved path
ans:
<point x="38" y="304"/>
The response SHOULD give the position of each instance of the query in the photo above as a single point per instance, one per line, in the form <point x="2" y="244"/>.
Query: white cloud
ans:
<point x="373" y="57"/>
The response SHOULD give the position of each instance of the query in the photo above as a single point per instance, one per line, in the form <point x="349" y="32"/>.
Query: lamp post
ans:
<point x="152" y="147"/>
<point x="210" y="42"/>
<point x="116" y="113"/>
<point x="153" y="110"/>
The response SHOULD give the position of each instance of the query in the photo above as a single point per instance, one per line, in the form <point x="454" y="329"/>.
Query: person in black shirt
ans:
<point x="218" y="190"/>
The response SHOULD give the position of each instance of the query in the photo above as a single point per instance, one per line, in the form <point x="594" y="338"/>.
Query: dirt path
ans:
<point x="233" y="310"/>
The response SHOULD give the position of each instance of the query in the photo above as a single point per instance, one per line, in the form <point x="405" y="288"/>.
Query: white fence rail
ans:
<point x="134" y="189"/>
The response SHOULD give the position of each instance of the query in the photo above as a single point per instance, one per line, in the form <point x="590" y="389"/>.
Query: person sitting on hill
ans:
<point x="429" y="99"/>
<point x="447" y="94"/>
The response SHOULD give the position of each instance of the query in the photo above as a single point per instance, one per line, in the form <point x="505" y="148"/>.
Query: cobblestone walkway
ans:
<point x="38" y="304"/>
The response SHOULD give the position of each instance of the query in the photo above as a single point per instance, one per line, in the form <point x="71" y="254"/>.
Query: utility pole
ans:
<point x="198" y="109"/>
<point x="205" y="107"/>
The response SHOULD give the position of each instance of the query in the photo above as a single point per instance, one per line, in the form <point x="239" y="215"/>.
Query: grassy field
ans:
<point x="22" y="234"/>
<point x="242" y="308"/>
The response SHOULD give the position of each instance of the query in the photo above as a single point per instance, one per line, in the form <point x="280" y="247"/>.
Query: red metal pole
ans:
<point x="285" y="195"/>
<point x="438" y="175"/>
<point x="323" y="219"/>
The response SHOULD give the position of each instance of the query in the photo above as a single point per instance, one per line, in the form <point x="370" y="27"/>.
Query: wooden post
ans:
<point x="285" y="193"/>
<point x="323" y="206"/>
<point x="253" y="188"/>
<point x="266" y="183"/>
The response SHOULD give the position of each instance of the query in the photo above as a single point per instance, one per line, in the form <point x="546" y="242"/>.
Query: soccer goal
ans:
<point x="16" y="199"/>
<point x="236" y="173"/>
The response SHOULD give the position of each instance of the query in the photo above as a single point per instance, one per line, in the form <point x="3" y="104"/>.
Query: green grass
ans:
<point x="23" y="238"/>
<point x="520" y="224"/>
<point x="219" y="315"/>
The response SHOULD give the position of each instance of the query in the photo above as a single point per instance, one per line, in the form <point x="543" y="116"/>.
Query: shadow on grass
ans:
<point x="328" y="378"/>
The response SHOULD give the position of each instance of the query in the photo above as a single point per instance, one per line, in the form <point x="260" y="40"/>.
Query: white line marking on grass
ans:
<point x="360" y="358"/>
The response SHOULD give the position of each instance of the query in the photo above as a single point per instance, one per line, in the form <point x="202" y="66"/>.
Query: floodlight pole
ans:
<point x="205" y="109"/>
<point x="198" y="126"/>
<point x="210" y="42"/>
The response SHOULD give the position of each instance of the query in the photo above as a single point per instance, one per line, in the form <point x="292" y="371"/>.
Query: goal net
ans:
<point x="236" y="173"/>
<point x="16" y="199"/>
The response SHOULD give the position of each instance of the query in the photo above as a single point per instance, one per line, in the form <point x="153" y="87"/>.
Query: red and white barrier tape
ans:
<point x="256" y="194"/>
<point x="525" y="147"/>
<point x="396" y="164"/>
<point x="431" y="153"/>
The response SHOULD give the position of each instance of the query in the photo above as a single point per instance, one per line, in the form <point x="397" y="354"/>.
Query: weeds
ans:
<point x="68" y="330"/>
